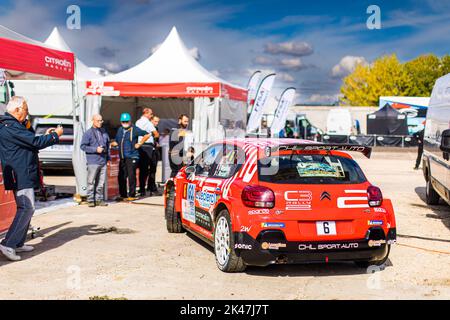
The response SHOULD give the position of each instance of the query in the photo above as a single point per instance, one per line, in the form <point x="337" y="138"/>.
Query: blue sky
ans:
<point x="310" y="44"/>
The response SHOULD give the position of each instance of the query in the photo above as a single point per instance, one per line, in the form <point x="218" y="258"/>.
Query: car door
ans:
<point x="195" y="199"/>
<point x="214" y="181"/>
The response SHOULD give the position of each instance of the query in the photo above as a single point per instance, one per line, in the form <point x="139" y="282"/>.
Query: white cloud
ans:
<point x="346" y="66"/>
<point x="114" y="67"/>
<point x="285" y="77"/>
<point x="293" y="48"/>
<point x="263" y="61"/>
<point x="293" y="64"/>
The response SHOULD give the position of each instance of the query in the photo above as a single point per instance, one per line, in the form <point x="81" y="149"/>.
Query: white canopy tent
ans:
<point x="82" y="72"/>
<point x="54" y="97"/>
<point x="171" y="81"/>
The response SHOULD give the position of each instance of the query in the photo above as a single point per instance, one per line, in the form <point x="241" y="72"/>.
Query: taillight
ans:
<point x="374" y="196"/>
<point x="258" y="197"/>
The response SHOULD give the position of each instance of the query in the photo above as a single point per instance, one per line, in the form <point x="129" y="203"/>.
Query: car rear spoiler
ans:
<point x="367" y="151"/>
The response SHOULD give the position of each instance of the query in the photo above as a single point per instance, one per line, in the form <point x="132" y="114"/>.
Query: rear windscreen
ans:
<point x="309" y="169"/>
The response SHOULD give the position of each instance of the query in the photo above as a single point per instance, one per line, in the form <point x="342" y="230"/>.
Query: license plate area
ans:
<point x="326" y="228"/>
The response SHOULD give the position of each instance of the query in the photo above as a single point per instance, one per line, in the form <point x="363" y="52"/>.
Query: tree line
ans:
<point x="387" y="76"/>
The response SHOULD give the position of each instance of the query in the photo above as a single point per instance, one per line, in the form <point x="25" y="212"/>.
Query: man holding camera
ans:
<point x="95" y="143"/>
<point x="19" y="148"/>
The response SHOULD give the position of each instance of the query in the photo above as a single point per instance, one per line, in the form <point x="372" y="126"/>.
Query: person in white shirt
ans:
<point x="147" y="152"/>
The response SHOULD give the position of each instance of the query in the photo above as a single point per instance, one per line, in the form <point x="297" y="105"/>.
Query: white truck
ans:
<point x="435" y="161"/>
<point x="339" y="122"/>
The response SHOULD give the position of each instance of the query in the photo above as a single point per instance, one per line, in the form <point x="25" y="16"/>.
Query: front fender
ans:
<point x="170" y="184"/>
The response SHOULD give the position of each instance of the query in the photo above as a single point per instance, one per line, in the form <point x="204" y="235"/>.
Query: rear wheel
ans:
<point x="173" y="220"/>
<point x="226" y="257"/>
<point x="432" y="196"/>
<point x="366" y="264"/>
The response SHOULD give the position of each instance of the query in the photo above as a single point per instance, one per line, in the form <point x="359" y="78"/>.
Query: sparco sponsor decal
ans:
<point x="56" y="63"/>
<point x="298" y="200"/>
<point x="328" y="246"/>
<point x="200" y="90"/>
<point x="258" y="211"/>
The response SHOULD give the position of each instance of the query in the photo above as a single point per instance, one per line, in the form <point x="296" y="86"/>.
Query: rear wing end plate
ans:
<point x="366" y="151"/>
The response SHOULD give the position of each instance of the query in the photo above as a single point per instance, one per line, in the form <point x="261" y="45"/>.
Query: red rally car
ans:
<point x="265" y="201"/>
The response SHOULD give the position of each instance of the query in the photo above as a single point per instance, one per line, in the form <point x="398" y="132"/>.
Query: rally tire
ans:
<point x="226" y="258"/>
<point x="173" y="220"/>
<point x="366" y="264"/>
<point x="432" y="197"/>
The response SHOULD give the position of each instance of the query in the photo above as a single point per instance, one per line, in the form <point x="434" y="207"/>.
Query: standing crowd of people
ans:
<point x="138" y="146"/>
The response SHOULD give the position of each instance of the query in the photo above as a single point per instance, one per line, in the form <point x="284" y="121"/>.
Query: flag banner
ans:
<point x="251" y="89"/>
<point x="281" y="112"/>
<point x="31" y="58"/>
<point x="261" y="98"/>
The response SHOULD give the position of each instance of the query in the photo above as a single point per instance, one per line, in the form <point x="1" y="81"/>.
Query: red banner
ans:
<point x="175" y="90"/>
<point x="30" y="58"/>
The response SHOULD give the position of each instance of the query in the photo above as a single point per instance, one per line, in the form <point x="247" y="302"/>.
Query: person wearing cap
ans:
<point x="147" y="153"/>
<point x="127" y="140"/>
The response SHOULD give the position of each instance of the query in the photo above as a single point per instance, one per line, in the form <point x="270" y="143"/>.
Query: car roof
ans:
<point x="262" y="143"/>
<point x="266" y="142"/>
<point x="52" y="120"/>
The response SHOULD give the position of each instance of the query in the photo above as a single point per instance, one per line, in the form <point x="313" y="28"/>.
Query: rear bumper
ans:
<point x="50" y="163"/>
<point x="271" y="247"/>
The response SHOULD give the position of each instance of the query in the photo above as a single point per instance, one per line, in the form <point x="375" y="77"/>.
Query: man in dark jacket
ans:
<point x="127" y="141"/>
<point x="95" y="143"/>
<point x="176" y="145"/>
<point x="19" y="149"/>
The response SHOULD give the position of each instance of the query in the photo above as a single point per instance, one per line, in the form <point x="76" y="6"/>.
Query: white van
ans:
<point x="436" y="165"/>
<point x="339" y="122"/>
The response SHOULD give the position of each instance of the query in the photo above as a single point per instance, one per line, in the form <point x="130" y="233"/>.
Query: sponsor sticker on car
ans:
<point x="272" y="246"/>
<point x="258" y="212"/>
<point x="375" y="222"/>
<point x="327" y="246"/>
<point x="188" y="204"/>
<point x="206" y="199"/>
<point x="298" y="200"/>
<point x="243" y="246"/>
<point x="376" y="243"/>
<point x="272" y="225"/>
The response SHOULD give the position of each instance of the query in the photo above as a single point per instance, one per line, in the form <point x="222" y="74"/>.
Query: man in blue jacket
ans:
<point x="127" y="141"/>
<point x="19" y="149"/>
<point x="95" y="143"/>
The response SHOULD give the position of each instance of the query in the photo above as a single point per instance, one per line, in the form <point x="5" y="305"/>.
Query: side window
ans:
<point x="204" y="163"/>
<point x="229" y="162"/>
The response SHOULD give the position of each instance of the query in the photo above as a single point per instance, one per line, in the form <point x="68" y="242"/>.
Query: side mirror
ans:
<point x="190" y="170"/>
<point x="445" y="143"/>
